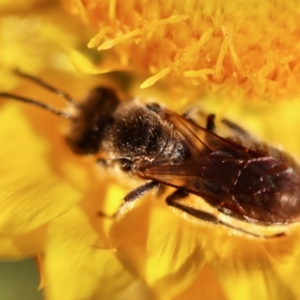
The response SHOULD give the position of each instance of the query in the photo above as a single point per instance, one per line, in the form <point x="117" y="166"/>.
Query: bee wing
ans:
<point x="198" y="139"/>
<point x="196" y="174"/>
<point x="218" y="180"/>
<point x="202" y="176"/>
<point x="218" y="170"/>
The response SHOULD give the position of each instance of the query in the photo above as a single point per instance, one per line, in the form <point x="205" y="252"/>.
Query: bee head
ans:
<point x="93" y="117"/>
<point x="90" y="119"/>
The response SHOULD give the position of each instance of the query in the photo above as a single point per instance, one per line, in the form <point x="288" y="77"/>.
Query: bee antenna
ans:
<point x="37" y="103"/>
<point x="48" y="87"/>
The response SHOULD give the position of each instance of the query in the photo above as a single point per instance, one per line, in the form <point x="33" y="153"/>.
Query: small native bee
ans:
<point x="239" y="176"/>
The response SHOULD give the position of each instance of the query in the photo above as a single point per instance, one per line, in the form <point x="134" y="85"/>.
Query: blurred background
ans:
<point x="19" y="281"/>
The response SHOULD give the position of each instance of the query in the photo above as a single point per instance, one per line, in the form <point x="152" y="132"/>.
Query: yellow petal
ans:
<point x="18" y="5"/>
<point x="24" y="245"/>
<point x="77" y="267"/>
<point x="81" y="63"/>
<point x="264" y="267"/>
<point x="160" y="247"/>
<point x="32" y="192"/>
<point x="206" y="286"/>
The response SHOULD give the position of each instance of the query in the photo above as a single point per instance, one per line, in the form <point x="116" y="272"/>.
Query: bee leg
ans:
<point x="236" y="129"/>
<point x="132" y="196"/>
<point x="175" y="197"/>
<point x="239" y="131"/>
<point x="172" y="200"/>
<point x="140" y="191"/>
<point x="233" y="130"/>
<point x="210" y="123"/>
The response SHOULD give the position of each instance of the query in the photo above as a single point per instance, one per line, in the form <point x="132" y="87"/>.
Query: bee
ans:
<point x="236" y="174"/>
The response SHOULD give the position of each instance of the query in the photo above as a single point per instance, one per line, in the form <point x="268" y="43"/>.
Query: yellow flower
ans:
<point x="247" y="47"/>
<point x="219" y="53"/>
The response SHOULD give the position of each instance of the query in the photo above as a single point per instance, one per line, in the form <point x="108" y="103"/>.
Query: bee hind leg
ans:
<point x="174" y="201"/>
<point x="175" y="197"/>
